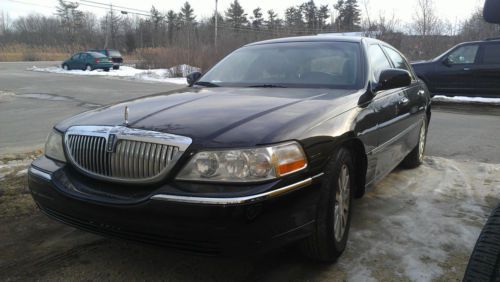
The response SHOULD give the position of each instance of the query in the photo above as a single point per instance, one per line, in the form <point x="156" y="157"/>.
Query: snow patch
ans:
<point x="156" y="75"/>
<point x="463" y="99"/>
<point x="416" y="224"/>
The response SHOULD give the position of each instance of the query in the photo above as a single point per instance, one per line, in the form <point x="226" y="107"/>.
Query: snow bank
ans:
<point x="463" y="99"/>
<point x="421" y="224"/>
<point x="156" y="75"/>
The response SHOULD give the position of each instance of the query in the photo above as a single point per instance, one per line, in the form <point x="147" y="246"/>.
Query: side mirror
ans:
<point x="392" y="79"/>
<point x="491" y="12"/>
<point x="193" y="77"/>
<point x="447" y="62"/>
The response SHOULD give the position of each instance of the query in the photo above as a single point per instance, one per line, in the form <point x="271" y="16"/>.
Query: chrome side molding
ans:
<point x="236" y="200"/>
<point x="33" y="170"/>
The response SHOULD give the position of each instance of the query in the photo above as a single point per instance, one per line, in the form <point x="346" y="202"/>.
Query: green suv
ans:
<point x="87" y="61"/>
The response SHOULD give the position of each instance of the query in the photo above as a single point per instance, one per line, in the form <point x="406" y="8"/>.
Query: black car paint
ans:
<point x="381" y="128"/>
<point x="480" y="78"/>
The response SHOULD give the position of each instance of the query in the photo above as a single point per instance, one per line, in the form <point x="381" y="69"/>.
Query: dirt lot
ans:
<point x="417" y="225"/>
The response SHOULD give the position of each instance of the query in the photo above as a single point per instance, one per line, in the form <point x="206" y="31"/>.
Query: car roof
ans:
<point x="317" y="38"/>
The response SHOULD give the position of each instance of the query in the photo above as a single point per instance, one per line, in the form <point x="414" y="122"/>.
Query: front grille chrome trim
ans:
<point x="137" y="156"/>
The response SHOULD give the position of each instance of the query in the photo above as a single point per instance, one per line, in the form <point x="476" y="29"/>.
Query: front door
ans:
<point x="454" y="73"/>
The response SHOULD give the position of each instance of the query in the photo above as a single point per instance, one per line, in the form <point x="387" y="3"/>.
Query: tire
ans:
<point x="106" y="69"/>
<point x="116" y="67"/>
<point x="88" y="67"/>
<point x="416" y="156"/>
<point x="484" y="262"/>
<point x="328" y="241"/>
<point x="65" y="67"/>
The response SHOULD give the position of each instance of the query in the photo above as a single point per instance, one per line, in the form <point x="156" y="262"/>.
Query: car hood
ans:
<point x="227" y="117"/>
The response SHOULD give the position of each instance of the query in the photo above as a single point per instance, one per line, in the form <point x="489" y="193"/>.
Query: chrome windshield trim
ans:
<point x="236" y="200"/>
<point x="40" y="173"/>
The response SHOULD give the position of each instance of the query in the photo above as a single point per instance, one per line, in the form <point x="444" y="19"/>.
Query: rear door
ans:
<point x="454" y="73"/>
<point x="488" y="70"/>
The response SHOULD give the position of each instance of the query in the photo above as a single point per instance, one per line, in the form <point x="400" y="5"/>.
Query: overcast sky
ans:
<point x="452" y="10"/>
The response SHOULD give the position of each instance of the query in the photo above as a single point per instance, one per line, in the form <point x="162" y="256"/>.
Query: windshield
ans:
<point x="114" y="53"/>
<point x="294" y="64"/>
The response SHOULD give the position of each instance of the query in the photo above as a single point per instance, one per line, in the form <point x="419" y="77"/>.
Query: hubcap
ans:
<point x="65" y="67"/>
<point x="89" y="68"/>
<point x="421" y="143"/>
<point x="342" y="199"/>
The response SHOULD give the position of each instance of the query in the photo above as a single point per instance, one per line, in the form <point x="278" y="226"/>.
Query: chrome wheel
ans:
<point x="421" y="142"/>
<point x="88" y="68"/>
<point x="342" y="200"/>
<point x="65" y="67"/>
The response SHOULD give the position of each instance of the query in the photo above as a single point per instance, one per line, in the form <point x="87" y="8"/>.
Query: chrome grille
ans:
<point x="133" y="155"/>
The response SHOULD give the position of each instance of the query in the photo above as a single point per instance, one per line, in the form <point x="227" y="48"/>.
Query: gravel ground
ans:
<point x="415" y="225"/>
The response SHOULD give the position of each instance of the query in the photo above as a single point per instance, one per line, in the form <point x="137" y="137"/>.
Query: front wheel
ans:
<point x="88" y="68"/>
<point x="416" y="156"/>
<point x="333" y="219"/>
<point x="65" y="67"/>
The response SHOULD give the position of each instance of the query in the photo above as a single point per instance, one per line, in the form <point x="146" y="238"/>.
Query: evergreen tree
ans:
<point x="323" y="15"/>
<point x="71" y="18"/>
<point x="310" y="12"/>
<point x="349" y="15"/>
<point x="257" y="19"/>
<point x="186" y="16"/>
<point x="294" y="18"/>
<point x="172" y="25"/>
<point x="235" y="15"/>
<point x="272" y="20"/>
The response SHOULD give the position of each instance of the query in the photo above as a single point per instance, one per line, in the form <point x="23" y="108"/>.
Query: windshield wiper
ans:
<point x="267" y="86"/>
<point x="206" y="83"/>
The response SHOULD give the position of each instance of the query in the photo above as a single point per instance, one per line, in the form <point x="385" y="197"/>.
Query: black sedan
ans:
<point x="267" y="148"/>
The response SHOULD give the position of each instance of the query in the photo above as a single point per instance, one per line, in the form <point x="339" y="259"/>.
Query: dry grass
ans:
<point x="163" y="57"/>
<point x="23" y="52"/>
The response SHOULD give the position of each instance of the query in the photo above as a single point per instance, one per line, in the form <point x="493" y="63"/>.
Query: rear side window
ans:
<point x="491" y="54"/>
<point x="463" y="55"/>
<point x="378" y="61"/>
<point x="75" y="56"/>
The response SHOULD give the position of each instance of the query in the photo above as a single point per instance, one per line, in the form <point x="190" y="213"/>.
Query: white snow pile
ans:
<point x="464" y="99"/>
<point x="157" y="75"/>
<point x="420" y="224"/>
<point x="19" y="167"/>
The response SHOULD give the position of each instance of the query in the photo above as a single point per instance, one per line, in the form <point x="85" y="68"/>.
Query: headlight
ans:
<point x="245" y="165"/>
<point x="54" y="146"/>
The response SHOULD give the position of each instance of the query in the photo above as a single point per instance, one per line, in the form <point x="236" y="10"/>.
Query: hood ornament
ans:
<point x="126" y="115"/>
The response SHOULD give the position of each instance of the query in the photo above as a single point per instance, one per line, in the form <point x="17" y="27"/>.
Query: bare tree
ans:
<point x="425" y="21"/>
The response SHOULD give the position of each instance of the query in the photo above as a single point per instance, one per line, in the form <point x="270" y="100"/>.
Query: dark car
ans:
<point x="87" y="61"/>
<point x="114" y="55"/>
<point x="267" y="148"/>
<point x="470" y="69"/>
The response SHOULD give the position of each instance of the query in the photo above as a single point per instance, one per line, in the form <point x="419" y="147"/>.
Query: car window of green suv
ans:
<point x="463" y="55"/>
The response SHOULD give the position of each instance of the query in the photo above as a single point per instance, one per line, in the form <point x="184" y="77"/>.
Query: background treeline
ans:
<point x="165" y="39"/>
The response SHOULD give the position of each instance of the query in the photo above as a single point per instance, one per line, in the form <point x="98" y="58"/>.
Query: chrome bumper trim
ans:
<point x="40" y="173"/>
<point x="236" y="200"/>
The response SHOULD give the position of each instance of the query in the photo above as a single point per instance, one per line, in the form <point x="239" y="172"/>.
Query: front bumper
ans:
<point x="203" y="224"/>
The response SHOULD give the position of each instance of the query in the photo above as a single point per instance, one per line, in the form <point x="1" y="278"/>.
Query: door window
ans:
<point x="75" y="57"/>
<point x="463" y="55"/>
<point x="397" y="59"/>
<point x="491" y="54"/>
<point x="378" y="61"/>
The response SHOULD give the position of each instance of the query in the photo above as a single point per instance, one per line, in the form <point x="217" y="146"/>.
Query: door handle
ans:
<point x="404" y="101"/>
<point x="466" y="69"/>
<point x="421" y="92"/>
